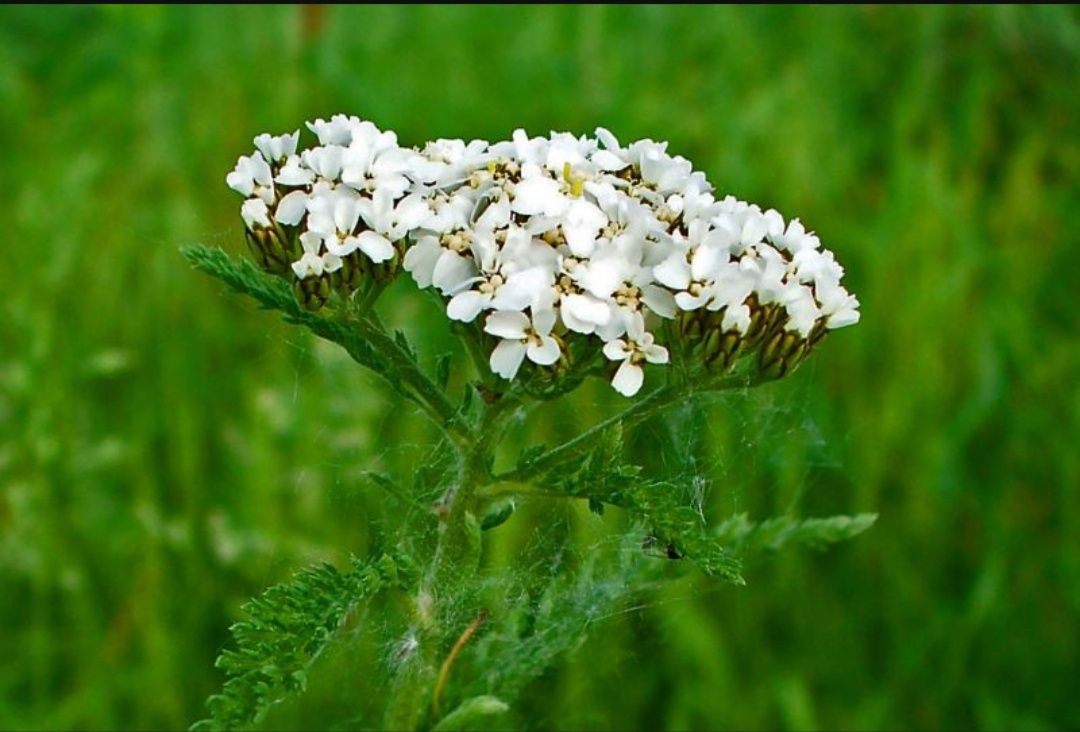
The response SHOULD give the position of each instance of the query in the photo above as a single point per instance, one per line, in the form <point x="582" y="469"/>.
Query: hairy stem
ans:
<point x="457" y="555"/>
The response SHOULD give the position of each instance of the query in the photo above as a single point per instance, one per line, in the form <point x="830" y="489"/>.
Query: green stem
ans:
<point x="457" y="556"/>
<point x="428" y="395"/>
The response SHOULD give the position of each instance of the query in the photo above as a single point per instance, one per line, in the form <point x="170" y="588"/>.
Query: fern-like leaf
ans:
<point x="602" y="476"/>
<point x="284" y="631"/>
<point x="390" y="357"/>
<point x="748" y="538"/>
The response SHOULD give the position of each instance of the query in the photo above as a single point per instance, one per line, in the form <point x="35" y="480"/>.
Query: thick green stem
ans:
<point x="457" y="555"/>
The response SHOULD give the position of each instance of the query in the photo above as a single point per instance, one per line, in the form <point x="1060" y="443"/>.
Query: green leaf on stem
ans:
<point x="602" y="476"/>
<point x="748" y="538"/>
<point x="285" y="629"/>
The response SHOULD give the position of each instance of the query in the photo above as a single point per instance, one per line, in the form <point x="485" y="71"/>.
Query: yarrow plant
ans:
<point x="555" y="259"/>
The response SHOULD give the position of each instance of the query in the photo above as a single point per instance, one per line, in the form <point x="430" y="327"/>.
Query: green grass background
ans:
<point x="167" y="451"/>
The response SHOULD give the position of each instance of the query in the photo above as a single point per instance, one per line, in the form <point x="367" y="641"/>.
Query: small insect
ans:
<point x="655" y="547"/>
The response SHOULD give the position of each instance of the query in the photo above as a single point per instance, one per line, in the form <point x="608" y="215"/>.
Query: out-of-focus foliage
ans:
<point x="168" y="451"/>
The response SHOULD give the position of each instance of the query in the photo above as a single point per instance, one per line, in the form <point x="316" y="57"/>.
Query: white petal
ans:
<point x="546" y="352"/>
<point x="509" y="324"/>
<point x="628" y="379"/>
<point x="293" y="173"/>
<point x="635" y="327"/>
<point x="686" y="301"/>
<point x="452" y="271"/>
<point x="774" y="223"/>
<point x="572" y="322"/>
<point x="586" y="309"/>
<point x="843" y="318"/>
<point x="420" y="260"/>
<point x="254" y="212"/>
<point x="538" y="195"/>
<point x="617" y="350"/>
<point x="308" y="265"/>
<point x="409" y="213"/>
<point x="659" y="300"/>
<point x="242" y="184"/>
<point x="606" y="138"/>
<point x="656" y="354"/>
<point x="705" y="262"/>
<point x="311" y="242"/>
<point x="331" y="262"/>
<point x="753" y="231"/>
<point x="601" y="277"/>
<point x="736" y="318"/>
<point x="291" y="208"/>
<point x="346" y="212"/>
<point x="507" y="357"/>
<point x="522" y="289"/>
<point x="260" y="170"/>
<point x="341" y="247"/>
<point x="607" y="160"/>
<point x="376" y="246"/>
<point x="673" y="272"/>
<point x="543" y="319"/>
<point x="580" y="239"/>
<point x="465" y="306"/>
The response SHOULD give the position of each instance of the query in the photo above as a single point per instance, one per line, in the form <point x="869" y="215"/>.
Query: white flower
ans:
<point x="325" y="161"/>
<point x="567" y="152"/>
<point x="375" y="162"/>
<point x="338" y="131"/>
<point x="612" y="157"/>
<point x="637" y="349"/>
<point x="334" y="216"/>
<point x="541" y="230"/>
<point x="626" y="285"/>
<point x="443" y="261"/>
<point x="839" y="307"/>
<point x="505" y="281"/>
<point x="801" y="309"/>
<point x="669" y="174"/>
<point x="389" y="222"/>
<point x="312" y="264"/>
<point x="705" y="276"/>
<point x="537" y="193"/>
<point x="252" y="176"/>
<point x="795" y="238"/>
<point x="275" y="148"/>
<point x="581" y="223"/>
<point x="520" y="338"/>
<point x="255" y="213"/>
<point x="447" y="162"/>
<point x="294" y="173"/>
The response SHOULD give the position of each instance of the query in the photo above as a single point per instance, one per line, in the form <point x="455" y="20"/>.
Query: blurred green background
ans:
<point x="167" y="451"/>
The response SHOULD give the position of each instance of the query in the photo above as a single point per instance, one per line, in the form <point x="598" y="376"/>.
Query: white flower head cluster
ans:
<point x="543" y="240"/>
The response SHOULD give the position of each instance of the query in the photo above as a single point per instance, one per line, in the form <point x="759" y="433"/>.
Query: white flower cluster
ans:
<point x="545" y="238"/>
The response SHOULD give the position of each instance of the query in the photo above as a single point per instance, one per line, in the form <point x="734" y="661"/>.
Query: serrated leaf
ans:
<point x="391" y="358"/>
<point x="602" y="476"/>
<point x="283" y="632"/>
<point x="529" y="454"/>
<point x="748" y="538"/>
